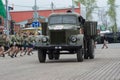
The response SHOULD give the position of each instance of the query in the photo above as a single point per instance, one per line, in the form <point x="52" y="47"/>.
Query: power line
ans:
<point x="103" y="6"/>
<point x="48" y="6"/>
<point x="23" y="6"/>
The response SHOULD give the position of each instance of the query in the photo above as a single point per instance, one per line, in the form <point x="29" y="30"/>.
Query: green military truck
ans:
<point x="61" y="35"/>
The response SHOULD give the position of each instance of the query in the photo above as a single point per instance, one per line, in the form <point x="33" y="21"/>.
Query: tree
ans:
<point x="112" y="14"/>
<point x="90" y="6"/>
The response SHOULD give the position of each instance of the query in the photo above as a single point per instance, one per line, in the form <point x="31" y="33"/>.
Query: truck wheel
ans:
<point x="86" y="55"/>
<point x="79" y="56"/>
<point x="56" y="56"/>
<point x="91" y="49"/>
<point x="85" y="49"/>
<point x="50" y="56"/>
<point x="41" y="56"/>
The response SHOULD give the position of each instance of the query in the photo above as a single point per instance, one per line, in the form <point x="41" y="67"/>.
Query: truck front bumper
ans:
<point x="60" y="47"/>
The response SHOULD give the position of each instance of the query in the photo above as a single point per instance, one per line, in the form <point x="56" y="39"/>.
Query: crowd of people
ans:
<point x="16" y="45"/>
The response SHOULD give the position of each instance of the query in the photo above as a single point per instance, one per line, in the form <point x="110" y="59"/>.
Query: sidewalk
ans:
<point x="110" y="46"/>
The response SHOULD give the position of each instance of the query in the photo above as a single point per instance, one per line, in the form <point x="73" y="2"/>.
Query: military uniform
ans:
<point x="22" y="41"/>
<point x="2" y="41"/>
<point x="13" y="40"/>
<point x="13" y="44"/>
<point x="3" y="44"/>
<point x="31" y="41"/>
<point x="18" y="41"/>
<point x="25" y="41"/>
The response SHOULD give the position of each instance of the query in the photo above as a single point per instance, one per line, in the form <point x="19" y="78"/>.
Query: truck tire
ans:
<point x="86" y="55"/>
<point x="85" y="49"/>
<point x="41" y="56"/>
<point x="80" y="56"/>
<point x="50" y="56"/>
<point x="56" y="56"/>
<point x="91" y="49"/>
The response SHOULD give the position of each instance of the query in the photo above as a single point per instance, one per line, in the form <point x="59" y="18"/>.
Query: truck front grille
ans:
<point x="57" y="37"/>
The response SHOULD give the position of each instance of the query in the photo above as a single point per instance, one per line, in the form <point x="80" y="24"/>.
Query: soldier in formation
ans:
<point x="28" y="43"/>
<point x="3" y="43"/>
<point x="20" y="43"/>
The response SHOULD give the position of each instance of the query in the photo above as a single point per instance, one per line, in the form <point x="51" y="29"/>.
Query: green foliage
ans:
<point x="112" y="14"/>
<point x="90" y="6"/>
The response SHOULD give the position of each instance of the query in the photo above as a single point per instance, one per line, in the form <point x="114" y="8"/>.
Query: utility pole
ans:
<point x="52" y="7"/>
<point x="73" y="6"/>
<point x="6" y="21"/>
<point x="35" y="14"/>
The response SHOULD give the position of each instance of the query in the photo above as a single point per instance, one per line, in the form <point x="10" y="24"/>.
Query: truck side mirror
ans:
<point x="81" y="20"/>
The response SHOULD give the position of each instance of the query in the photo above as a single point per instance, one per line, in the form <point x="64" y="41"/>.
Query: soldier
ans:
<point x="13" y="45"/>
<point x="22" y="44"/>
<point x="18" y="43"/>
<point x="3" y="41"/>
<point x="10" y="46"/>
<point x="31" y="41"/>
<point x="2" y="51"/>
<point x="25" y="42"/>
<point x="12" y="51"/>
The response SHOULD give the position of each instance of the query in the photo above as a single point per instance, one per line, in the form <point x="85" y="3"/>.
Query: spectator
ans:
<point x="105" y="42"/>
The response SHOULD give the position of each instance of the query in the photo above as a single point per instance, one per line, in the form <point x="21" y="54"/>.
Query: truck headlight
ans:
<point x="44" y="39"/>
<point x="73" y="39"/>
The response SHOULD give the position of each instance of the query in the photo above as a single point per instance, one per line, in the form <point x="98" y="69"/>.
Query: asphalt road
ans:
<point x="105" y="66"/>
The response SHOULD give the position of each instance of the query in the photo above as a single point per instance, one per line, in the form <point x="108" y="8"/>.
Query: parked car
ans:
<point x="113" y="37"/>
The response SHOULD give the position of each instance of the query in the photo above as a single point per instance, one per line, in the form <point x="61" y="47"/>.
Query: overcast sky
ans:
<point x="22" y="5"/>
<point x="42" y="4"/>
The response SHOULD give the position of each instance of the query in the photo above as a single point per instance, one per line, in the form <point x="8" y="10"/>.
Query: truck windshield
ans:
<point x="63" y="19"/>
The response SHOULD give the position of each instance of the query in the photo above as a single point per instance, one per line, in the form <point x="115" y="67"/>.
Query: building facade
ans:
<point x="20" y="19"/>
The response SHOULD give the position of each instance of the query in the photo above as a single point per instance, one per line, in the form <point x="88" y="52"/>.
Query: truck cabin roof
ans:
<point x="55" y="14"/>
<point x="80" y="18"/>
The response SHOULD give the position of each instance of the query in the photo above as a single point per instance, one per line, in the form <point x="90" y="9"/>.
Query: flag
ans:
<point x="2" y="10"/>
